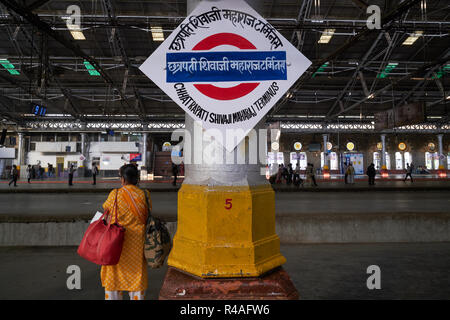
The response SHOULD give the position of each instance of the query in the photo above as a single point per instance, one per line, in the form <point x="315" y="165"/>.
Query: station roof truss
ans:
<point x="95" y="83"/>
<point x="288" y="126"/>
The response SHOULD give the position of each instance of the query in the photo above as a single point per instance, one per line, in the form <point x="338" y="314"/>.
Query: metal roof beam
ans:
<point x="38" y="3"/>
<point x="117" y="35"/>
<point x="427" y="68"/>
<point x="385" y="24"/>
<point x="45" y="28"/>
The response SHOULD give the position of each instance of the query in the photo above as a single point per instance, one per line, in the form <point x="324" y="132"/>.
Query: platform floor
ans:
<point x="421" y="183"/>
<point x="331" y="271"/>
<point x="35" y="206"/>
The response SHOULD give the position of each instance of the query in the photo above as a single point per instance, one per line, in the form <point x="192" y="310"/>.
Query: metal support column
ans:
<point x="383" y="151"/>
<point x="20" y="151"/>
<point x="326" y="164"/>
<point x="83" y="170"/>
<point x="441" y="152"/>
<point x="144" y="150"/>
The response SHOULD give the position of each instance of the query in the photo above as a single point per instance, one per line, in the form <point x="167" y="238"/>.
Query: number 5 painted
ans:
<point x="228" y="204"/>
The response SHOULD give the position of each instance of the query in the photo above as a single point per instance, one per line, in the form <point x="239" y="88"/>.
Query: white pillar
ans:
<point x="383" y="151"/>
<point x="213" y="174"/>
<point x="441" y="152"/>
<point x="144" y="150"/>
<point x="83" y="148"/>
<point x="20" y="152"/>
<point x="325" y="151"/>
<point x="226" y="207"/>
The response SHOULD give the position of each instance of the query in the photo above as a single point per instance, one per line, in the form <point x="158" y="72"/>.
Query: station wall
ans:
<point x="366" y="144"/>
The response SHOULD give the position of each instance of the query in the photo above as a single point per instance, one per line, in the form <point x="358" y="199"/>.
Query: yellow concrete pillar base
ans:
<point x="226" y="231"/>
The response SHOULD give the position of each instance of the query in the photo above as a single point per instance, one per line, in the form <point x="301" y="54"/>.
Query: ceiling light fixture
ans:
<point x="9" y="67"/>
<point x="326" y="36"/>
<point x="412" y="38"/>
<point x="90" y="68"/>
<point x="321" y="69"/>
<point x="76" y="32"/>
<point x="391" y="66"/>
<point x="442" y="71"/>
<point x="157" y="33"/>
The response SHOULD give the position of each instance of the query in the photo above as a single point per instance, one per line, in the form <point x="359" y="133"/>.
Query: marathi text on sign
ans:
<point x="226" y="66"/>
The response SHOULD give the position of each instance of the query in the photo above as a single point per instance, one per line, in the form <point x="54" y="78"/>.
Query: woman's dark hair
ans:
<point x="129" y="173"/>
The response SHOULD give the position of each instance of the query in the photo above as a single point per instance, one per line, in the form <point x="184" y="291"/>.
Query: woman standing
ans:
<point x="71" y="171"/>
<point x="350" y="174"/>
<point x="310" y="177"/>
<point x="130" y="274"/>
<point x="14" y="175"/>
<point x="29" y="173"/>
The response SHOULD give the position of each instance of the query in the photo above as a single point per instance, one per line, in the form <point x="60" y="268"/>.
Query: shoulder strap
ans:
<point x="136" y="210"/>
<point x="114" y="208"/>
<point x="148" y="205"/>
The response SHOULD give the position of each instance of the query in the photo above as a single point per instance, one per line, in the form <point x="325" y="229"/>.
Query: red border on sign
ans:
<point x="231" y="93"/>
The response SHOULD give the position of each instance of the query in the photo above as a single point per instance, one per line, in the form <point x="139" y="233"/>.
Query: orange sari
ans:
<point x="130" y="274"/>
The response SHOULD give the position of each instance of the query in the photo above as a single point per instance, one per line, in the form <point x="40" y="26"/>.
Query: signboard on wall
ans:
<point x="280" y="157"/>
<point x="166" y="146"/>
<point x="312" y="147"/>
<point x="7" y="153"/>
<point x="135" y="157"/>
<point x="407" y="114"/>
<point x="357" y="161"/>
<point x="294" y="157"/>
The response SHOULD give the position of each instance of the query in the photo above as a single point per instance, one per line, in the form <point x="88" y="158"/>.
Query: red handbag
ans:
<point x="102" y="242"/>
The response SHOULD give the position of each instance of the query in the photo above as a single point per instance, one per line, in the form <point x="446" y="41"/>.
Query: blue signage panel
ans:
<point x="39" y="110"/>
<point x="226" y="66"/>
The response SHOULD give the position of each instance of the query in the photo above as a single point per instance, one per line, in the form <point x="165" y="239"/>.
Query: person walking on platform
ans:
<point x="371" y="173"/>
<point x="310" y="176"/>
<point x="409" y="171"/>
<point x="297" y="180"/>
<point x="71" y="171"/>
<point x="49" y="170"/>
<point x="290" y="174"/>
<point x="130" y="274"/>
<point x="350" y="174"/>
<point x="94" y="173"/>
<point x="174" y="173"/>
<point x="279" y="173"/>
<point x="29" y="172"/>
<point x="345" y="173"/>
<point x="14" y="175"/>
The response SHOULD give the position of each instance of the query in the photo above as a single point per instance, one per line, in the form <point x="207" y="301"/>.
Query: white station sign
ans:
<point x="225" y="66"/>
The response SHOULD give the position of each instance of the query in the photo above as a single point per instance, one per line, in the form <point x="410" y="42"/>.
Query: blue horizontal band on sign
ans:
<point x="226" y="66"/>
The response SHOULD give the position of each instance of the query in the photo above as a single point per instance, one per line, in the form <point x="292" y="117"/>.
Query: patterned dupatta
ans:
<point x="137" y="204"/>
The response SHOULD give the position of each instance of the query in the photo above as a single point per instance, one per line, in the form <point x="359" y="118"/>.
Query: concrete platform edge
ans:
<point x="320" y="228"/>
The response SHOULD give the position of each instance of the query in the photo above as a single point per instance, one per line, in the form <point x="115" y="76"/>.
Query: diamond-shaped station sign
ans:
<point x="225" y="66"/>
